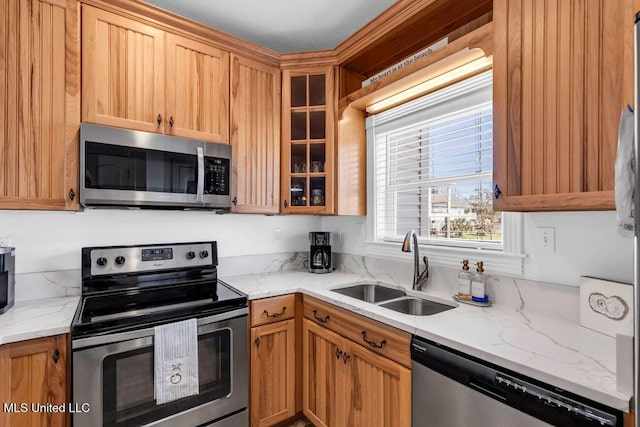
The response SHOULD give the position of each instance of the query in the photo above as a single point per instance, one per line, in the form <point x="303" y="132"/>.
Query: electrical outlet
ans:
<point x="276" y="234"/>
<point x="546" y="239"/>
<point x="6" y="241"/>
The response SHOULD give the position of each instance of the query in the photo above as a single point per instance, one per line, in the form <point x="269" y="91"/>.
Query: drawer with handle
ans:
<point x="378" y="337"/>
<point x="274" y="309"/>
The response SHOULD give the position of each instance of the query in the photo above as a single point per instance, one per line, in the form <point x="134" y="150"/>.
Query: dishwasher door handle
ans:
<point x="489" y="389"/>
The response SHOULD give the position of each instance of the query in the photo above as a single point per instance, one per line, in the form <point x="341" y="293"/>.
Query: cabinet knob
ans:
<point x="159" y="119"/>
<point x="257" y="341"/>
<point x="171" y="121"/>
<point x="286" y="205"/>
<point x="345" y="357"/>
<point x="56" y="355"/>
<point x="72" y="194"/>
<point x="338" y="353"/>
<point x="235" y="201"/>
<point x="497" y="192"/>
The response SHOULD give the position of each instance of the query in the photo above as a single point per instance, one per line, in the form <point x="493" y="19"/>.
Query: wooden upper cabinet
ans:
<point x="34" y="371"/>
<point x="308" y="132"/>
<point x="197" y="88"/>
<point x="39" y="104"/>
<point x="122" y="71"/>
<point x="255" y="136"/>
<point x="563" y="72"/>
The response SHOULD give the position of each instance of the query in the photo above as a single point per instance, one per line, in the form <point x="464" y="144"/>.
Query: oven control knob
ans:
<point x="191" y="255"/>
<point x="102" y="261"/>
<point x="204" y="254"/>
<point x="120" y="260"/>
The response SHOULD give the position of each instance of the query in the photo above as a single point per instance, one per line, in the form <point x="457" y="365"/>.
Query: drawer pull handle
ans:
<point x="320" y="319"/>
<point x="373" y="343"/>
<point x="345" y="357"/>
<point x="338" y="353"/>
<point x="266" y="313"/>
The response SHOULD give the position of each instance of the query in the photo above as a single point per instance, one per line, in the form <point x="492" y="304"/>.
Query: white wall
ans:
<point x="50" y="241"/>
<point x="587" y="244"/>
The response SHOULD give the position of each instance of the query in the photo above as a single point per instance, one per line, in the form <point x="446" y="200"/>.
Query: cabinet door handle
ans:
<point x="286" y="204"/>
<point x="372" y="343"/>
<point x="72" y="194"/>
<point x="235" y="201"/>
<point x="266" y="313"/>
<point x="338" y="353"/>
<point x="257" y="341"/>
<point x="56" y="355"/>
<point x="320" y="319"/>
<point x="159" y="119"/>
<point x="345" y="357"/>
<point x="171" y="122"/>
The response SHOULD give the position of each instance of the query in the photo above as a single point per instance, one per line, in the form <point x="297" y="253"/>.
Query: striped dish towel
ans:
<point x="176" y="360"/>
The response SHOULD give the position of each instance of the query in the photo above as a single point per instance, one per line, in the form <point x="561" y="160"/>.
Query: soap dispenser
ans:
<point x="464" y="281"/>
<point x="478" y="286"/>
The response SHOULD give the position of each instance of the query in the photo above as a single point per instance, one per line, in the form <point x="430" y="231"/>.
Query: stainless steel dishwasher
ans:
<point x="452" y="389"/>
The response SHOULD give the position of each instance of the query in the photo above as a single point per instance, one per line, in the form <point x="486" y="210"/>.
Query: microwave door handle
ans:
<point x="200" y="186"/>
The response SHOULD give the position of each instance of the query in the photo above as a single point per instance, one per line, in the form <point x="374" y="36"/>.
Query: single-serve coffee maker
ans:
<point x="7" y="278"/>
<point x="320" y="252"/>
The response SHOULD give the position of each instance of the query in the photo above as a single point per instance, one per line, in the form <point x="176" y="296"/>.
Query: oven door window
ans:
<point x="128" y="395"/>
<point x="116" y="167"/>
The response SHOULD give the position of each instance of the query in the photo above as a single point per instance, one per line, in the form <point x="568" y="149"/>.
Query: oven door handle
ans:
<point x="200" y="186"/>
<point x="204" y="326"/>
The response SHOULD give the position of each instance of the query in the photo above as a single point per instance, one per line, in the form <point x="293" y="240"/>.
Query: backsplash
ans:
<point x="65" y="283"/>
<point x="519" y="294"/>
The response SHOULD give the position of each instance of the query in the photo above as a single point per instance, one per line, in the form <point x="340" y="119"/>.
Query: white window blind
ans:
<point x="433" y="160"/>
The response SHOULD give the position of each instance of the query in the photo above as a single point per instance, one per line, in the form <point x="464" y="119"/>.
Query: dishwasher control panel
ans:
<point x="555" y="400"/>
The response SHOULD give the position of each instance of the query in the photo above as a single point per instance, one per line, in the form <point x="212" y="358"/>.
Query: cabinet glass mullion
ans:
<point x="308" y="140"/>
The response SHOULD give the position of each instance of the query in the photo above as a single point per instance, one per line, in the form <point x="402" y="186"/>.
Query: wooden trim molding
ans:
<point x="475" y="45"/>
<point x="375" y="30"/>
<point x="185" y="27"/>
<point x="316" y="58"/>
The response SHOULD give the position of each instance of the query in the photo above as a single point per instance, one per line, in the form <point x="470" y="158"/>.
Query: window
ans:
<point x="430" y="170"/>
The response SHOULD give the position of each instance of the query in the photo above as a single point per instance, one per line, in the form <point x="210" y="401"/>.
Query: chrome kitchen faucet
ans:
<point x="418" y="278"/>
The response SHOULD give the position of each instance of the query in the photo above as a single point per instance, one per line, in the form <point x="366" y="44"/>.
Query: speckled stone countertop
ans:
<point x="37" y="318"/>
<point x="550" y="349"/>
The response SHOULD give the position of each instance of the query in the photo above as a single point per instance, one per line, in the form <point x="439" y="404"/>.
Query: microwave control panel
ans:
<point x="217" y="174"/>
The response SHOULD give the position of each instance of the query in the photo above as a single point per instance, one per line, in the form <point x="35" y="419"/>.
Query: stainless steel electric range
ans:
<point x="126" y="291"/>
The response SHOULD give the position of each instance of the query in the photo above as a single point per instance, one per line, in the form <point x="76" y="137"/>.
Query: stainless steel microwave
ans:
<point x="121" y="167"/>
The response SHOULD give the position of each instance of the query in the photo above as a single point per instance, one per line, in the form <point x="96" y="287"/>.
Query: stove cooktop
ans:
<point x="122" y="311"/>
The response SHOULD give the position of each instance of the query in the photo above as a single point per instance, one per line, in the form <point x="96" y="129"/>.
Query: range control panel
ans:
<point x="136" y="259"/>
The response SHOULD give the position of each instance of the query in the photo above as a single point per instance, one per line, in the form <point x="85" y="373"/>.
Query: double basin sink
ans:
<point x="393" y="299"/>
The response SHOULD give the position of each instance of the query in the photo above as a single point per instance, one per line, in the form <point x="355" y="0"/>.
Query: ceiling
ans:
<point x="282" y="25"/>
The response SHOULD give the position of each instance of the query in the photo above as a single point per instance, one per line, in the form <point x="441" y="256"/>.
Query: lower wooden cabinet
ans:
<point x="34" y="372"/>
<point x="272" y="373"/>
<point x="323" y="375"/>
<point x="346" y="384"/>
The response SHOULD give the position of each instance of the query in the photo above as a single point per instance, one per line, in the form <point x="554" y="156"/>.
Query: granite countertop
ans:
<point x="553" y="350"/>
<point x="37" y="318"/>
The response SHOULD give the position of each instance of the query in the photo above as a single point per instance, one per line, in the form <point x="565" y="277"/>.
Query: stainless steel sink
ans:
<point x="416" y="306"/>
<point x="370" y="292"/>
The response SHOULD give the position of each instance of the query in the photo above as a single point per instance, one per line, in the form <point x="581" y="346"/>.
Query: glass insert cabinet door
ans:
<point x="308" y="137"/>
